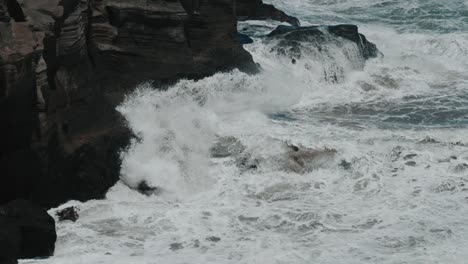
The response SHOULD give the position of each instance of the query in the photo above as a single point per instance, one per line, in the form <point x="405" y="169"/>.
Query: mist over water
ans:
<point x="395" y="192"/>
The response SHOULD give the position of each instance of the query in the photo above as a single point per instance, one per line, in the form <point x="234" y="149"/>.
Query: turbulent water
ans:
<point x="395" y="192"/>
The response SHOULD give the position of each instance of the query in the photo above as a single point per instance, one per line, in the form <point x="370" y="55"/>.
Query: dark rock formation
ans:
<point x="10" y="240"/>
<point x="257" y="10"/>
<point x="144" y="188"/>
<point x="291" y="36"/>
<point x="65" y="65"/>
<point x="245" y="39"/>
<point x="213" y="239"/>
<point x="68" y="214"/>
<point x="333" y="49"/>
<point x="26" y="231"/>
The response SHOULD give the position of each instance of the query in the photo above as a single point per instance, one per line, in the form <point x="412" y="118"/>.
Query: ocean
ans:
<point x="394" y="190"/>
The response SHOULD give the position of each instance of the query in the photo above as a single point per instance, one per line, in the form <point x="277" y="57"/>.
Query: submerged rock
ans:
<point x="410" y="156"/>
<point x="291" y="158"/>
<point x="462" y="167"/>
<point x="26" y="231"/>
<point x="345" y="164"/>
<point x="247" y="162"/>
<point x="176" y="246"/>
<point x="301" y="159"/>
<point x="226" y="147"/>
<point x="213" y="239"/>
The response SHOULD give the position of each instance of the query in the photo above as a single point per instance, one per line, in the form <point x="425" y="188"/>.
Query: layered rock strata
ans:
<point x="66" y="64"/>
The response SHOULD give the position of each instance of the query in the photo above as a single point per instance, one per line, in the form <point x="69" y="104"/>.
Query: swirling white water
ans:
<point x="401" y="125"/>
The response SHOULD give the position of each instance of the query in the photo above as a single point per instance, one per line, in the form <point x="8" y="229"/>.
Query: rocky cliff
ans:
<point x="66" y="64"/>
<point x="257" y="10"/>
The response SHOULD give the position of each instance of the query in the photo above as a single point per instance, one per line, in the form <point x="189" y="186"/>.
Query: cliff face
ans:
<point x="66" y="64"/>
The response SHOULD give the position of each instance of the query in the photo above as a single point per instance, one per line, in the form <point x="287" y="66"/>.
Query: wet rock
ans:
<point x="319" y="36"/>
<point x="245" y="39"/>
<point x="26" y="231"/>
<point x="410" y="156"/>
<point x="361" y="185"/>
<point x="460" y="168"/>
<point x="144" y="188"/>
<point x="370" y="223"/>
<point x="345" y="165"/>
<point x="446" y="186"/>
<point x="313" y="225"/>
<point x="176" y="246"/>
<point x="396" y="153"/>
<point x="257" y="10"/>
<point x="247" y="162"/>
<point x="411" y="163"/>
<point x="291" y="158"/>
<point x="367" y="86"/>
<point x="196" y="243"/>
<point x="301" y="159"/>
<point x="247" y="218"/>
<point x="226" y="147"/>
<point x="68" y="214"/>
<point x="213" y="239"/>
<point x="326" y="45"/>
<point x="429" y="140"/>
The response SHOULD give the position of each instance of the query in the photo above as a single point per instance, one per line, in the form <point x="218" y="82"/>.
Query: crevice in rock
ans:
<point x="15" y="11"/>
<point x="88" y="31"/>
<point x="49" y="55"/>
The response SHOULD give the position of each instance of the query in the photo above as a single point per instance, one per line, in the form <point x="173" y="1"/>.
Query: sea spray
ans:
<point x="395" y="192"/>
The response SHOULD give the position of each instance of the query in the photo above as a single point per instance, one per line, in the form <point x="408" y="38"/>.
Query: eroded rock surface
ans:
<point x="66" y="65"/>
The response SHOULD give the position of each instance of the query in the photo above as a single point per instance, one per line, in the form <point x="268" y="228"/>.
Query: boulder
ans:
<point x="291" y="36"/>
<point x="327" y="50"/>
<point x="68" y="214"/>
<point x="27" y="231"/>
<point x="257" y="10"/>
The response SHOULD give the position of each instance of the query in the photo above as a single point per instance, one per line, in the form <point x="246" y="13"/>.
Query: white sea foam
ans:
<point x="399" y="127"/>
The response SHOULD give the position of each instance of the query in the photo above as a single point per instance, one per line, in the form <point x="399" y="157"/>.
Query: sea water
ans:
<point x="395" y="192"/>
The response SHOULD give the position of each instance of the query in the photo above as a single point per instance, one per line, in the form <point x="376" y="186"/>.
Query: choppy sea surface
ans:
<point x="395" y="192"/>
